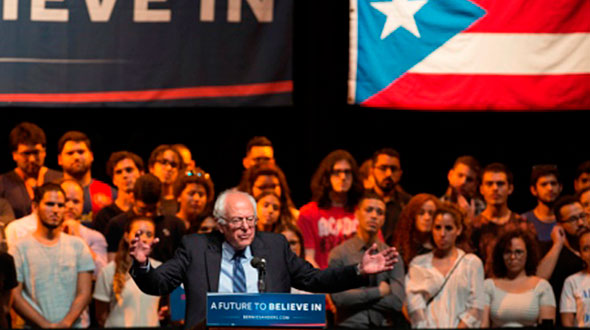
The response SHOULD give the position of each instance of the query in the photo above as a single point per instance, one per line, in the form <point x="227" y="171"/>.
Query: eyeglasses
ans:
<point x="517" y="253"/>
<point x="575" y="218"/>
<point x="199" y="173"/>
<point x="384" y="168"/>
<point x="550" y="167"/>
<point x="346" y="172"/>
<point x="239" y="220"/>
<point x="165" y="162"/>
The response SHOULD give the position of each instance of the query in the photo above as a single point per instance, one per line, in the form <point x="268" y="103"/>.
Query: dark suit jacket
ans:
<point x="197" y="264"/>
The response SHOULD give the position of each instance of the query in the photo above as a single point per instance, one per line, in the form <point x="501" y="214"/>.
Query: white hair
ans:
<point x="219" y="209"/>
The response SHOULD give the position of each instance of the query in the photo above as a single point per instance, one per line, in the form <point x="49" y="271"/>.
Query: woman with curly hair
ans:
<point x="119" y="302"/>
<point x="515" y="296"/>
<point x="268" y="177"/>
<point x="413" y="230"/>
<point x="329" y="219"/>
<point x="194" y="193"/>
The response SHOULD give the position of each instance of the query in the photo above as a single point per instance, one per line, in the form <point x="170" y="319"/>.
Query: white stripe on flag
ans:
<point x="511" y="54"/>
<point x="353" y="51"/>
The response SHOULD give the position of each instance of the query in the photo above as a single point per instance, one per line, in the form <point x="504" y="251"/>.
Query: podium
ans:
<point x="265" y="310"/>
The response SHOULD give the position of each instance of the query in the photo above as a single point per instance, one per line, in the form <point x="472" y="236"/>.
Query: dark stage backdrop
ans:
<point x="303" y="135"/>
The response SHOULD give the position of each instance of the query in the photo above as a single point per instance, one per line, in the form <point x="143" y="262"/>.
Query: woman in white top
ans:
<point x="515" y="296"/>
<point x="574" y="305"/>
<point x="119" y="302"/>
<point x="444" y="288"/>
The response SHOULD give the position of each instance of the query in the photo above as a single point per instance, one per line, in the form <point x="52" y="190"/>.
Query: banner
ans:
<point x="146" y="52"/>
<point x="266" y="310"/>
<point x="470" y="54"/>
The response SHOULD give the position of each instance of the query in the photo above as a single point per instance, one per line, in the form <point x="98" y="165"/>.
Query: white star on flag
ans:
<point x="399" y="13"/>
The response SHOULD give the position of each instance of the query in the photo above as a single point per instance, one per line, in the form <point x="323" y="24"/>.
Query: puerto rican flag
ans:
<point x="470" y="55"/>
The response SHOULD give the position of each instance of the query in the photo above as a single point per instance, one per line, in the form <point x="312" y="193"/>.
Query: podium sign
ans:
<point x="266" y="310"/>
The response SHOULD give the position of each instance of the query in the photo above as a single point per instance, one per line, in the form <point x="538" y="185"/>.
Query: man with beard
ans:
<point x="462" y="190"/>
<point x="546" y="187"/>
<point x="54" y="270"/>
<point x="563" y="260"/>
<point x="124" y="168"/>
<point x="75" y="157"/>
<point x="387" y="173"/>
<point x="27" y="142"/>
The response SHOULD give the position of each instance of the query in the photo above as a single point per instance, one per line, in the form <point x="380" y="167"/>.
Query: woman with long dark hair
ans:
<point x="329" y="219"/>
<point x="444" y="288"/>
<point x="412" y="235"/>
<point x="194" y="193"/>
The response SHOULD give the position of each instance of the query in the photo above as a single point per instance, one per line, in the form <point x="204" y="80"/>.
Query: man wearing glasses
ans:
<point x="258" y="151"/>
<point x="221" y="261"/>
<point x="387" y="173"/>
<point x="563" y="260"/>
<point x="27" y="142"/>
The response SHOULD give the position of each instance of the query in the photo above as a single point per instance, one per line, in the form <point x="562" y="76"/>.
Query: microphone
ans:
<point x="260" y="264"/>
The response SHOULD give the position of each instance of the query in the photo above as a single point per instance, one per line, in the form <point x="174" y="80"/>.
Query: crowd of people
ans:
<point x="465" y="258"/>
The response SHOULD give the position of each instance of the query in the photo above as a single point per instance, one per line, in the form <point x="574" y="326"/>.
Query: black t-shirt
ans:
<point x="7" y="282"/>
<point x="393" y="208"/>
<point x="101" y="221"/>
<point x="7" y="272"/>
<point x="169" y="229"/>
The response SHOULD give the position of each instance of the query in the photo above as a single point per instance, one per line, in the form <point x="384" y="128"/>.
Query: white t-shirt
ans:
<point x="575" y="298"/>
<point x="135" y="309"/>
<point x="509" y="309"/>
<point x="49" y="274"/>
<point x="20" y="228"/>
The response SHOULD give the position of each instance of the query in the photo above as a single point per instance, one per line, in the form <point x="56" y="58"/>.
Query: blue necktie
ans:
<point x="239" y="280"/>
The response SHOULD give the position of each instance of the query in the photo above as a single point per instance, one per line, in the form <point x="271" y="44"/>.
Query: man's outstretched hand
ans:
<point x="373" y="263"/>
<point x="140" y="249"/>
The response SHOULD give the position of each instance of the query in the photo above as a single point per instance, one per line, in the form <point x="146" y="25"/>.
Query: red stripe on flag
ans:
<point x="481" y="92"/>
<point x="533" y="16"/>
<point x="154" y="94"/>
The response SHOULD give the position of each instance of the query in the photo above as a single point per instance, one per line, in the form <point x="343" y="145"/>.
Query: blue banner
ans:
<point x="146" y="52"/>
<point x="268" y="309"/>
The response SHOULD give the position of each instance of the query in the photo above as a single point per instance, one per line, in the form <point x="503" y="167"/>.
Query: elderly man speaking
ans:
<point x="221" y="261"/>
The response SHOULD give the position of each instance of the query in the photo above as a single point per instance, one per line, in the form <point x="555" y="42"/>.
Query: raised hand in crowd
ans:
<point x="140" y="249"/>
